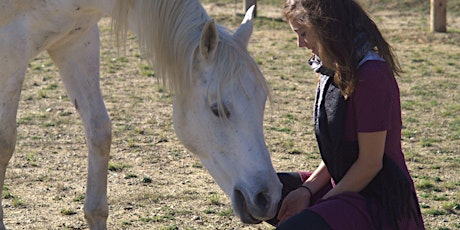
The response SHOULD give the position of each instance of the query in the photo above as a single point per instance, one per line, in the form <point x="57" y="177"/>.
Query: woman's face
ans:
<point x="308" y="38"/>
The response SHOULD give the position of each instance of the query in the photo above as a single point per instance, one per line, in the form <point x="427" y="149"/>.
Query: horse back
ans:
<point x="42" y="24"/>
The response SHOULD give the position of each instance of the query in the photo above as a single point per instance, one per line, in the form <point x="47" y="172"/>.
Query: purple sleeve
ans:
<point x="373" y="97"/>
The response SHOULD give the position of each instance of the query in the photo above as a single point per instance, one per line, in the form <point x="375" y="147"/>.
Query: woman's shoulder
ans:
<point x="372" y="62"/>
<point x="374" y="67"/>
<point x="374" y="76"/>
<point x="374" y="70"/>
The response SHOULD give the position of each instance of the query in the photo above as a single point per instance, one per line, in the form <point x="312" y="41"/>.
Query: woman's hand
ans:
<point x="293" y="203"/>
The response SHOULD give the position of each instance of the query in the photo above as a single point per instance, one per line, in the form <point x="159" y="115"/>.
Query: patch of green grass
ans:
<point x="295" y="151"/>
<point x="147" y="180"/>
<point x="68" y="212"/>
<point x="435" y="212"/>
<point x="451" y="185"/>
<point x="281" y="129"/>
<point x="129" y="176"/>
<point x="172" y="227"/>
<point x="65" y="114"/>
<point x="6" y="194"/>
<point x="35" y="138"/>
<point x="49" y="124"/>
<point x="123" y="59"/>
<point x="454" y="128"/>
<point x="42" y="93"/>
<point x="191" y="193"/>
<point x="290" y="118"/>
<point x="443" y="228"/>
<point x="288" y="143"/>
<point x="133" y="142"/>
<point x="451" y="206"/>
<point x="428" y="142"/>
<point x="17" y="202"/>
<point x="197" y="165"/>
<point x="408" y="133"/>
<point x="209" y="211"/>
<point x="158" y="218"/>
<point x="51" y="86"/>
<point x="117" y="167"/>
<point x="214" y="199"/>
<point x="147" y="71"/>
<point x="425" y="185"/>
<point x="408" y="105"/>
<point x="226" y="213"/>
<point x="457" y="225"/>
<point x="32" y="160"/>
<point x="79" y="198"/>
<point x="424" y="92"/>
<point x="442" y="197"/>
<point x="27" y="119"/>
<point x="410" y="156"/>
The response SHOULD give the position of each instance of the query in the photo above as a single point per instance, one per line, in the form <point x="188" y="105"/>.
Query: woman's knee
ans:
<point x="305" y="220"/>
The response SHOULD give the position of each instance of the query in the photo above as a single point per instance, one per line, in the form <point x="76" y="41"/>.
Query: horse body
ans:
<point x="219" y="92"/>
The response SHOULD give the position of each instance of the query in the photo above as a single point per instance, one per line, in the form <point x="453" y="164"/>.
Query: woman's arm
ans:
<point x="369" y="163"/>
<point x="318" y="179"/>
<point x="299" y="199"/>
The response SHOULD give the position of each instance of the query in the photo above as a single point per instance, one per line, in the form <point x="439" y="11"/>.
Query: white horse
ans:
<point x="219" y="91"/>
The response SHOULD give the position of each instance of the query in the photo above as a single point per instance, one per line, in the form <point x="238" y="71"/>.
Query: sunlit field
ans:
<point x="155" y="183"/>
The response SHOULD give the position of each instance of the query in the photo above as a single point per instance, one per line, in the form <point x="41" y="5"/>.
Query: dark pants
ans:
<point x="304" y="220"/>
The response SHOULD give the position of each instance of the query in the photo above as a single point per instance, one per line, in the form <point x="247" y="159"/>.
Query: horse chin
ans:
<point x="241" y="209"/>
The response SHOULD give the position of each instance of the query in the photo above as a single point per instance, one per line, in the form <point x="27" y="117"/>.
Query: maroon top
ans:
<point x="374" y="106"/>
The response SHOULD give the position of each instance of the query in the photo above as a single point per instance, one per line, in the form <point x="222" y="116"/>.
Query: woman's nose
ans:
<point x="302" y="43"/>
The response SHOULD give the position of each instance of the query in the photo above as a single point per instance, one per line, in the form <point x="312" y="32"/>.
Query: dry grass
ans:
<point x="154" y="183"/>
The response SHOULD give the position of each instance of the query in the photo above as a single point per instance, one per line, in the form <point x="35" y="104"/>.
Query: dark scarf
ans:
<point x="391" y="188"/>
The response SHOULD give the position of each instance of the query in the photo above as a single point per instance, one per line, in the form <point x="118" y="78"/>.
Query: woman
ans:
<point x="363" y="181"/>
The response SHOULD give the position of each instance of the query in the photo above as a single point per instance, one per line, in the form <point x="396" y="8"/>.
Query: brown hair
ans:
<point x="336" y="23"/>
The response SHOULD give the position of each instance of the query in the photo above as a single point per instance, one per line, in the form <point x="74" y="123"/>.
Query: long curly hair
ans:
<point x="338" y="24"/>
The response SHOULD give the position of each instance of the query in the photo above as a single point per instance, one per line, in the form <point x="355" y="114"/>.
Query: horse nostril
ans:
<point x="262" y="200"/>
<point x="239" y="195"/>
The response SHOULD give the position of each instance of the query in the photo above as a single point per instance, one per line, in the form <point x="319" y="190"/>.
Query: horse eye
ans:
<point x="223" y="112"/>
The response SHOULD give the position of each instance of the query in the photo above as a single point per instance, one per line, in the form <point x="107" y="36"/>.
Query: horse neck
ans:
<point x="168" y="33"/>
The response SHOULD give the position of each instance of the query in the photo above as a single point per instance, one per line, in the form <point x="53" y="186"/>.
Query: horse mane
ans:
<point x="169" y="34"/>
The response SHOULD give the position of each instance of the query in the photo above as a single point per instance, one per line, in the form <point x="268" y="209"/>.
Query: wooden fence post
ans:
<point x="249" y="3"/>
<point x="438" y="15"/>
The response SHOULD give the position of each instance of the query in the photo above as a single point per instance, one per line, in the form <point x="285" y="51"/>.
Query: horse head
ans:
<point x="221" y="120"/>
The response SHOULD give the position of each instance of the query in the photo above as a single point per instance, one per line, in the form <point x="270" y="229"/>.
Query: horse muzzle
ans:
<point x="253" y="209"/>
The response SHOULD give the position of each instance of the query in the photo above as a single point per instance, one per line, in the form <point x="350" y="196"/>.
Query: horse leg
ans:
<point x="13" y="66"/>
<point x="78" y="63"/>
<point x="10" y="90"/>
<point x="8" y="110"/>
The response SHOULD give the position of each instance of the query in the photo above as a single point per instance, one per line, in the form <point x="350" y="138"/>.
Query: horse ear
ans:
<point x="243" y="33"/>
<point x="209" y="40"/>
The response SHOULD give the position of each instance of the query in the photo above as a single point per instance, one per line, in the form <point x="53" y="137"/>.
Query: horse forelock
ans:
<point x="233" y="63"/>
<point x="169" y="34"/>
